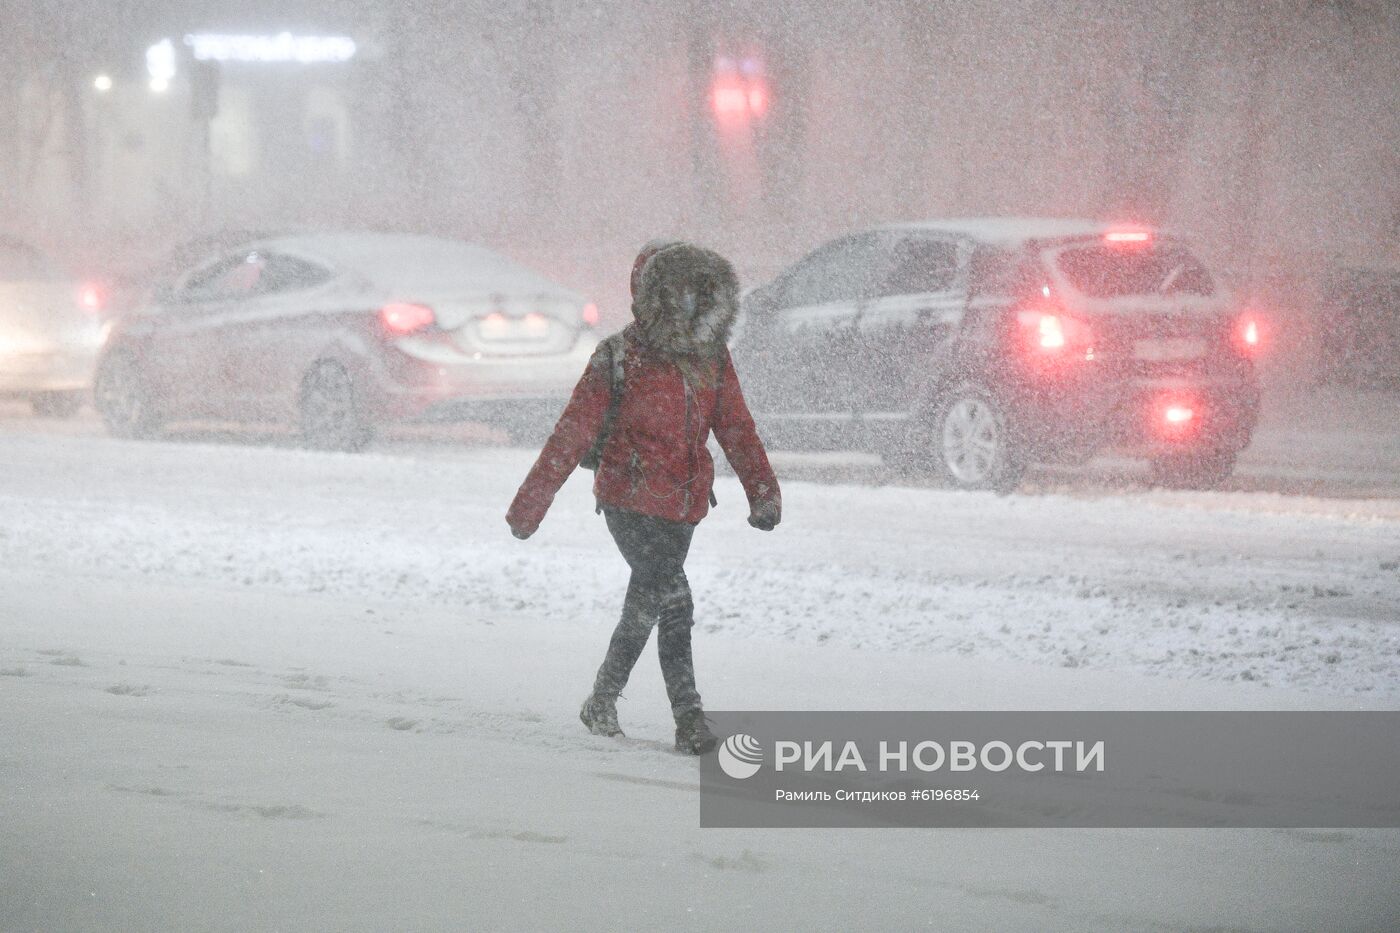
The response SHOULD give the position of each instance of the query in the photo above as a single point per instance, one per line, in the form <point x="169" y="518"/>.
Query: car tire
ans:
<point x="332" y="410"/>
<point x="970" y="443"/>
<point x="1199" y="469"/>
<point x="56" y="404"/>
<point x="123" y="399"/>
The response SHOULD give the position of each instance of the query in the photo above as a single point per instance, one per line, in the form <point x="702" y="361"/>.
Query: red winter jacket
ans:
<point x="655" y="461"/>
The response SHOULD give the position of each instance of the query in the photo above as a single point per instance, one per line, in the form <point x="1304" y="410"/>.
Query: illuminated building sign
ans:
<point x="283" y="47"/>
<point x="160" y="65"/>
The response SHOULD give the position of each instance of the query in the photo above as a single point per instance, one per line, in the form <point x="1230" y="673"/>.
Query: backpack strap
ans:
<point x="615" y="351"/>
<point x="714" y="415"/>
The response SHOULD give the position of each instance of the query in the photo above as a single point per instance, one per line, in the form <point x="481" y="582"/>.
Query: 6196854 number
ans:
<point x="932" y="794"/>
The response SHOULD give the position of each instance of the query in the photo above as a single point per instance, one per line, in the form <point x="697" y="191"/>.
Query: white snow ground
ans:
<point x="256" y="688"/>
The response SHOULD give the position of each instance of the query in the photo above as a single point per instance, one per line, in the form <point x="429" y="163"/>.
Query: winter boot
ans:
<point x="599" y="714"/>
<point x="693" y="735"/>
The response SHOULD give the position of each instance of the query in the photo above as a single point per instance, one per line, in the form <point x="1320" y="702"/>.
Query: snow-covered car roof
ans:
<point x="1010" y="231"/>
<point x="397" y="261"/>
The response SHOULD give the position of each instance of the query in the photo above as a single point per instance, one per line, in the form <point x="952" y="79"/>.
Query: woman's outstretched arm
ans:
<point x="574" y="434"/>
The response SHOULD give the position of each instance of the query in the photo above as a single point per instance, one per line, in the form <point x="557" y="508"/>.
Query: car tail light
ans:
<point x="401" y="318"/>
<point x="1175" y="417"/>
<point x="1127" y="237"/>
<point x="92" y="297"/>
<point x="1050" y="333"/>
<point x="1249" y="335"/>
<point x="590" y="315"/>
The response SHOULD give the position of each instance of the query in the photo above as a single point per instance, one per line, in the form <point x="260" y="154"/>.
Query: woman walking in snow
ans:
<point x="649" y="399"/>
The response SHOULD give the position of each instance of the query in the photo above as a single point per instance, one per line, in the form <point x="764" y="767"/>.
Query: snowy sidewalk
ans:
<point x="194" y="758"/>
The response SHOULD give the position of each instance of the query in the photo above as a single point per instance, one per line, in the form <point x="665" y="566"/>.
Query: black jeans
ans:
<point x="658" y="594"/>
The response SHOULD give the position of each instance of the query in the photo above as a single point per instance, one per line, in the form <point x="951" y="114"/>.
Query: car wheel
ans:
<point x="123" y="399"/>
<point x="1199" y="469"/>
<point x="56" y="404"/>
<point x="972" y="443"/>
<point x="332" y="416"/>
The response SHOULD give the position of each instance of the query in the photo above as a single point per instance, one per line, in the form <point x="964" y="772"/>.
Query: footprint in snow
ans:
<point x="149" y="791"/>
<point x="476" y="832"/>
<point x="746" y="861"/>
<point x="311" y="703"/>
<point x="288" y="811"/>
<point x="305" y="681"/>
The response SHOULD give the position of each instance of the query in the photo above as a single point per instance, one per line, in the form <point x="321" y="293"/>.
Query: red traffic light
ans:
<point x="739" y="90"/>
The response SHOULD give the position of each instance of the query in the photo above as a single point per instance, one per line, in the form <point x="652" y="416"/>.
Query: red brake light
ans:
<point x="1249" y="337"/>
<point x="1250" y="333"/>
<point x="1048" y="333"/>
<point x="739" y="91"/>
<point x="730" y="100"/>
<point x="1176" y="417"/>
<point x="1051" y="332"/>
<point x="400" y="318"/>
<point x="590" y="315"/>
<point x="92" y="297"/>
<point x="1122" y="237"/>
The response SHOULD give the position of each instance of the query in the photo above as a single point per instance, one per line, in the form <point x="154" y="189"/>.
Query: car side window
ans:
<point x="842" y="271"/>
<point x="230" y="278"/>
<point x="804" y="285"/>
<point x="282" y="273"/>
<point x="919" y="265"/>
<point x="1101" y="271"/>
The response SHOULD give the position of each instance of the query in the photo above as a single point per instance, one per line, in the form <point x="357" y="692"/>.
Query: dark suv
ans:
<point x="975" y="347"/>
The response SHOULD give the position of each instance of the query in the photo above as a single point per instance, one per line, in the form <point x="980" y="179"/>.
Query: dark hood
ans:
<point x="686" y="301"/>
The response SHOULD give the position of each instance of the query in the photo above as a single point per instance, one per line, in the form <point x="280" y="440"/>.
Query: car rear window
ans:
<point x="998" y="272"/>
<point x="21" y="263"/>
<point x="1103" y="271"/>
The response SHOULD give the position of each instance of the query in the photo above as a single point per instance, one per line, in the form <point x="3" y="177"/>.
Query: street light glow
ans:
<point x="102" y="83"/>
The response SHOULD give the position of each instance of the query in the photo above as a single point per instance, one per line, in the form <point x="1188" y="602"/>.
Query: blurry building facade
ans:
<point x="567" y="133"/>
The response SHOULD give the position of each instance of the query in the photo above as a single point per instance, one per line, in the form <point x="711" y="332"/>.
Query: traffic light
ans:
<point x="739" y="90"/>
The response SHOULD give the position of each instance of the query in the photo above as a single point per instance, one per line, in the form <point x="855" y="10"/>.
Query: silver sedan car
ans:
<point x="337" y="333"/>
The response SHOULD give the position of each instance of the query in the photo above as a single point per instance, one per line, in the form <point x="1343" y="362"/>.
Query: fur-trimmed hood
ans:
<point x="686" y="301"/>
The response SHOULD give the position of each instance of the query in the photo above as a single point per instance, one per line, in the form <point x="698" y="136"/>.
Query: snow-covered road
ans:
<point x="1244" y="586"/>
<point x="259" y="688"/>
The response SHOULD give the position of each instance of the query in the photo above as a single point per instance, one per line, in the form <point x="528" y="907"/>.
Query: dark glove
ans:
<point x="765" y="515"/>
